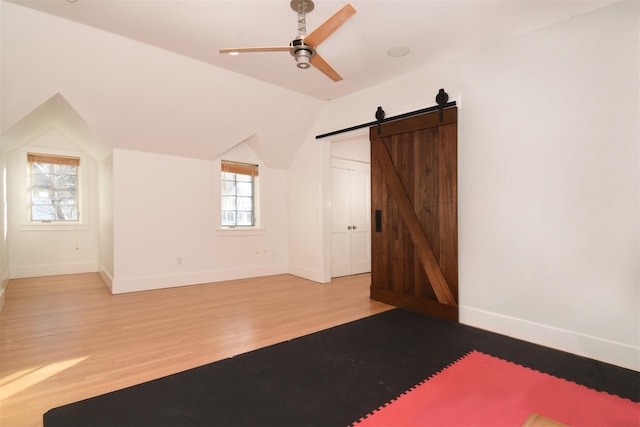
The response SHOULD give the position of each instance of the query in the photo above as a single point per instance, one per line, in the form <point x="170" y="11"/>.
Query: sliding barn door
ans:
<point x="414" y="243"/>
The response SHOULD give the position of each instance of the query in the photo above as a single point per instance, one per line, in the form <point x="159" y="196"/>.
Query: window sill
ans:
<point x="240" y="231"/>
<point x="54" y="227"/>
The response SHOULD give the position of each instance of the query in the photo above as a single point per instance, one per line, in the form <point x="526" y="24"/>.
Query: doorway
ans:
<point x="350" y="218"/>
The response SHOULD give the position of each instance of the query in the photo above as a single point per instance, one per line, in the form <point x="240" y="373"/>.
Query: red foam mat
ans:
<point x="482" y="390"/>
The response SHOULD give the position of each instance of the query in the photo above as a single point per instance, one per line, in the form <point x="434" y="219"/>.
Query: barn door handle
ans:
<point x="378" y="221"/>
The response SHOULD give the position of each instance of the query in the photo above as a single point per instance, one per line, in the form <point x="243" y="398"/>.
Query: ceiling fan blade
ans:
<point x="256" y="49"/>
<point x="322" y="65"/>
<point x="327" y="28"/>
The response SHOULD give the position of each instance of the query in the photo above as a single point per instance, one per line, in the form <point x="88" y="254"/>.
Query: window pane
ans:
<point x="228" y="203"/>
<point x="54" y="212"/>
<point x="236" y="199"/>
<point x="228" y="188"/>
<point x="228" y="218"/>
<point x="43" y="213"/>
<point x="65" y="197"/>
<point x="65" y="182"/>
<point x="245" y="218"/>
<point x="244" y="178"/>
<point x="43" y="180"/>
<point x="41" y="196"/>
<point x="54" y="192"/>
<point x="64" y="169"/>
<point x="245" y="188"/>
<point x="68" y="213"/>
<point x="42" y="168"/>
<point x="229" y="176"/>
<point x="245" y="203"/>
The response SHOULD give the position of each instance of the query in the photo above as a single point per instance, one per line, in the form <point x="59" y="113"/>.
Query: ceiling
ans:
<point x="434" y="30"/>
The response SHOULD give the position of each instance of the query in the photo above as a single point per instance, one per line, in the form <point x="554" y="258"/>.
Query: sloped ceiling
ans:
<point x="55" y="113"/>
<point x="433" y="29"/>
<point x="137" y="97"/>
<point x="146" y="75"/>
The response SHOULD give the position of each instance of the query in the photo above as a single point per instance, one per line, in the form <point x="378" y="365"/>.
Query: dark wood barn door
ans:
<point x="414" y="244"/>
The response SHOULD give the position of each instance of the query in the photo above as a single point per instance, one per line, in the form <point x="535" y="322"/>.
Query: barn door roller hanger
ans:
<point x="442" y="101"/>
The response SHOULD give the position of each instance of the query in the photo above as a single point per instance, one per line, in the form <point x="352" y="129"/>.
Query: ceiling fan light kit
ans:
<point x="303" y="58"/>
<point x="303" y="47"/>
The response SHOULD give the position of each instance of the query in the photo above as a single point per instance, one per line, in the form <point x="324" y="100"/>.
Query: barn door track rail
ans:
<point x="442" y="100"/>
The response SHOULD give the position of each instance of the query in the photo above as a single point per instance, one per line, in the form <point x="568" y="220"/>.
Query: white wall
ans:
<point x="4" y="253"/>
<point x="166" y="216"/>
<point x="352" y="146"/>
<point x="548" y="180"/>
<point x="105" y="220"/>
<point x="309" y="199"/>
<point x="46" y="249"/>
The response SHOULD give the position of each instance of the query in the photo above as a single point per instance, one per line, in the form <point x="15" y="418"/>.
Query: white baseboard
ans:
<point x="22" y="271"/>
<point x="306" y="273"/>
<point x="146" y="283"/>
<point x="3" y="285"/>
<point x="106" y="277"/>
<point x="615" y="353"/>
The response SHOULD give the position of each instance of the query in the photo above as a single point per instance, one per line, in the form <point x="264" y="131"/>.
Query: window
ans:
<point x="53" y="187"/>
<point x="238" y="194"/>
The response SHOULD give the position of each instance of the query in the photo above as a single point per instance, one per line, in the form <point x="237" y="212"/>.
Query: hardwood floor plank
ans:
<point x="66" y="338"/>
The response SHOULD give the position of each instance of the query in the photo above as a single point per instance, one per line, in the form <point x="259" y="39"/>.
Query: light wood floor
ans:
<point x="66" y="338"/>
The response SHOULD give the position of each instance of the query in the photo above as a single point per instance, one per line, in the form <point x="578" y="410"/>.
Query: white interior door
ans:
<point x="360" y="222"/>
<point x="351" y="218"/>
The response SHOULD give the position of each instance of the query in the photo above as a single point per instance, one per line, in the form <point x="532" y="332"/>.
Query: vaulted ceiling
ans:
<point x="117" y="63"/>
<point x="433" y="30"/>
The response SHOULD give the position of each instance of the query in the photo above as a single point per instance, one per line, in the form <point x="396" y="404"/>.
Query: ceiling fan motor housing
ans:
<point x="302" y="53"/>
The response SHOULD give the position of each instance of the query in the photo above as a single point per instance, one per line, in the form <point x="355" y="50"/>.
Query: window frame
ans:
<point x="244" y="230"/>
<point x="240" y="168"/>
<point x="52" y="225"/>
<point x="50" y="159"/>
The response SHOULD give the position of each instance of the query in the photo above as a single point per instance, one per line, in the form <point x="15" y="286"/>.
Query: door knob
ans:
<point x="349" y="227"/>
<point x="354" y="227"/>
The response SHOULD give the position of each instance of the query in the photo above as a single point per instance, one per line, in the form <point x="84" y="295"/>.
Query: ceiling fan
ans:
<point x="303" y="47"/>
